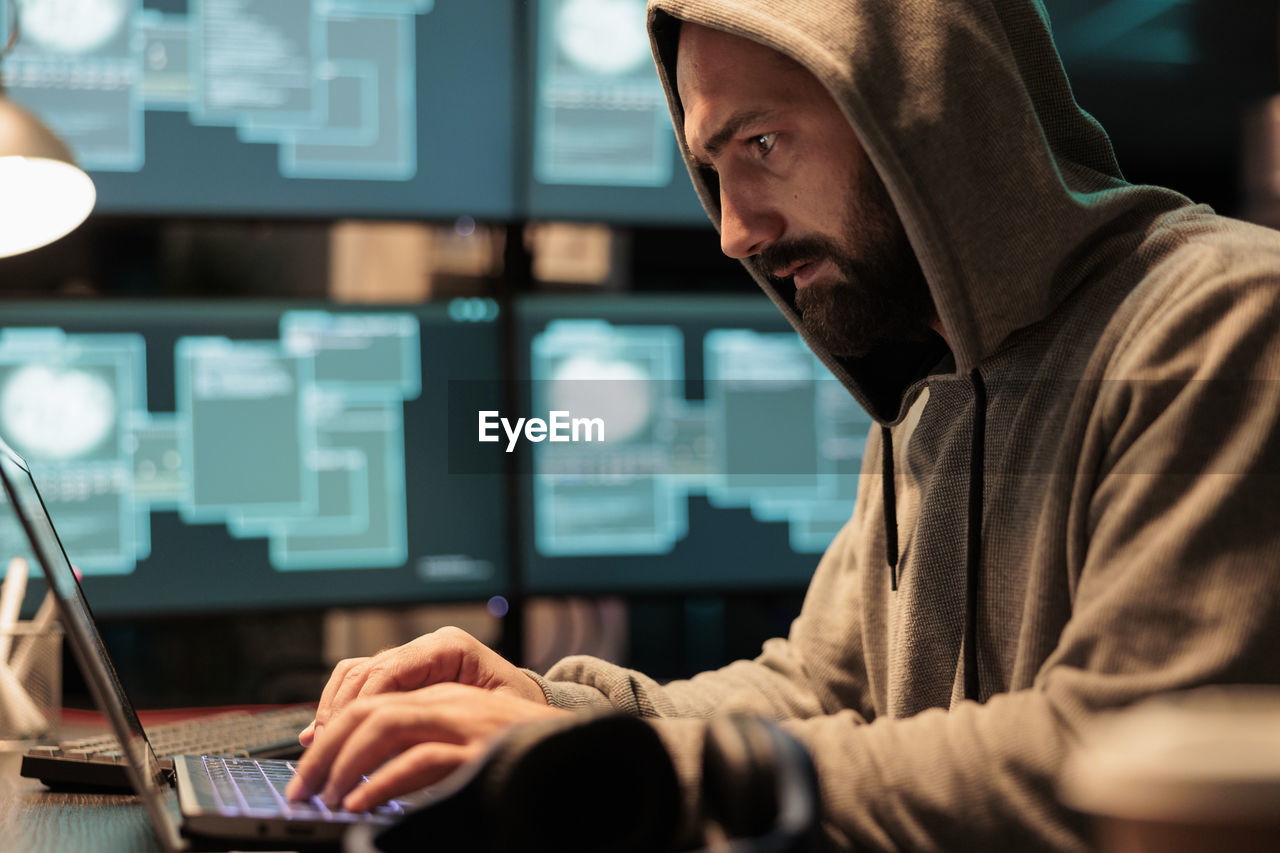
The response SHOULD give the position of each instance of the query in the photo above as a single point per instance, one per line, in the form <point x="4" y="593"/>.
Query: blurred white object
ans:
<point x="1195" y="771"/>
<point x="43" y="194"/>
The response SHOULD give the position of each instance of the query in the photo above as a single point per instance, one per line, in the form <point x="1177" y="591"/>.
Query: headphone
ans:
<point x="607" y="785"/>
<point x="759" y="787"/>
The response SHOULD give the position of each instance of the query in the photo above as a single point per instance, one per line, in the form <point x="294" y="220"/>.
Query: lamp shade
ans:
<point x="43" y="194"/>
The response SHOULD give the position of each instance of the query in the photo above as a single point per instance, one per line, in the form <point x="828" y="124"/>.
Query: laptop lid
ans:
<point x="141" y="764"/>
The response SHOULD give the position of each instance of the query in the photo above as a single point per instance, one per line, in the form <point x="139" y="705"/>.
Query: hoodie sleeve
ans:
<point x="816" y="670"/>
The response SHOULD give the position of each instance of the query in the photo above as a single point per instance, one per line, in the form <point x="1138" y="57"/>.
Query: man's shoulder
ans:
<point x="1194" y="248"/>
<point x="1202" y="279"/>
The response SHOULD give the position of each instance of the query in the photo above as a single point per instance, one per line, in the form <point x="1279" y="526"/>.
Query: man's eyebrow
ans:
<point x="731" y="127"/>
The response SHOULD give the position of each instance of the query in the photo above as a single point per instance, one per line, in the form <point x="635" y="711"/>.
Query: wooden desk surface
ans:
<point x="36" y="820"/>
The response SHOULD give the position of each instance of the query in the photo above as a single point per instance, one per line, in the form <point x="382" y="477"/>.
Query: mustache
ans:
<point x="790" y="252"/>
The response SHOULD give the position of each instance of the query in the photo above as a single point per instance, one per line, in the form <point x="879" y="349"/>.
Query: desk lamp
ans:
<point x="43" y="194"/>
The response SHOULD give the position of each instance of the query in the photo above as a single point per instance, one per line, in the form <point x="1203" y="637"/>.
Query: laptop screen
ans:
<point x="86" y="643"/>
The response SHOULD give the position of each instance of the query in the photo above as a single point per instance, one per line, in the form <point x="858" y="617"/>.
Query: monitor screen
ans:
<point x="1169" y="79"/>
<point x="602" y="146"/>
<point x="307" y="108"/>
<point x="208" y="456"/>
<point x="725" y="456"/>
<point x="1151" y="37"/>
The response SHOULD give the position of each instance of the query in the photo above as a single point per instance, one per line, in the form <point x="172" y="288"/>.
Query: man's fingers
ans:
<point x="330" y="690"/>
<point x="359" y="739"/>
<point x="392" y="671"/>
<point x="435" y="657"/>
<point x="415" y="768"/>
<point x="445" y="655"/>
<point x="313" y="768"/>
<point x="373" y="730"/>
<point x="381" y="734"/>
<point x="351" y="680"/>
<point x="348" y="691"/>
<point x="387" y="677"/>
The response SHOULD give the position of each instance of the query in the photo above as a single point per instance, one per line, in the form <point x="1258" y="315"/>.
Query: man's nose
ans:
<point x="746" y="225"/>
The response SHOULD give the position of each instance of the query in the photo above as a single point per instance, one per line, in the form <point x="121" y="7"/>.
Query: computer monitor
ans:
<point x="602" y="147"/>
<point x="281" y="108"/>
<point x="729" y="459"/>
<point x="207" y="456"/>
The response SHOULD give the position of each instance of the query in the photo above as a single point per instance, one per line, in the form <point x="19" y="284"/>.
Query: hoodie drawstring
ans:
<point x="973" y="545"/>
<point x="890" y="506"/>
<point x="973" y="553"/>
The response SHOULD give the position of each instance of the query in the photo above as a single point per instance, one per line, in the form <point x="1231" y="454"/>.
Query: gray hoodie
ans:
<point x="1071" y="509"/>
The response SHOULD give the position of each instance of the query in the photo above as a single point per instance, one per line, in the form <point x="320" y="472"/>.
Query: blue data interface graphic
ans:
<point x="329" y="83"/>
<point x="774" y="433"/>
<point x="601" y="144"/>
<point x="298" y="439"/>
<point x="600" y="115"/>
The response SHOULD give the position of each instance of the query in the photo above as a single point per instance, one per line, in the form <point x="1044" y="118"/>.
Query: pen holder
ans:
<point x="30" y="682"/>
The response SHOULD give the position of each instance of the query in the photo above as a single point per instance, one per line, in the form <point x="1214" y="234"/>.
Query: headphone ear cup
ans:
<point x="612" y="773"/>
<point x="740" y="776"/>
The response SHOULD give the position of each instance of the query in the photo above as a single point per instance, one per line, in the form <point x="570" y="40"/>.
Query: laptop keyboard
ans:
<point x="235" y="733"/>
<point x="246" y="786"/>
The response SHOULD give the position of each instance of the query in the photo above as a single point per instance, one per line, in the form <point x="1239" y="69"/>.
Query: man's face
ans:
<point x="798" y="197"/>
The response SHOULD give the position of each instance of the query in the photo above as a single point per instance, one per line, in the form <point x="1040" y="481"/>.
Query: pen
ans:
<point x="25" y="649"/>
<point x="16" y="705"/>
<point x="11" y="592"/>
<point x="24" y="715"/>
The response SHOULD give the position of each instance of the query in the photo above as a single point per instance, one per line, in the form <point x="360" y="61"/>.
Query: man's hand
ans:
<point x="406" y="741"/>
<point x="449" y="654"/>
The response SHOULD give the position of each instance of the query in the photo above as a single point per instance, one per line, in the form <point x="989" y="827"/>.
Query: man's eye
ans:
<point x="764" y="143"/>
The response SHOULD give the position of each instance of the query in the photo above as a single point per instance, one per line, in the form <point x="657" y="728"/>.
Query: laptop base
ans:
<point x="76" y="776"/>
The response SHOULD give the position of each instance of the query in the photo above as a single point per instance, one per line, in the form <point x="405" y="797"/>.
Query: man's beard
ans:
<point x="881" y="295"/>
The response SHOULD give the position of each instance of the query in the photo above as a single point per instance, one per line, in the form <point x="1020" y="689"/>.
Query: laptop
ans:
<point x="232" y="799"/>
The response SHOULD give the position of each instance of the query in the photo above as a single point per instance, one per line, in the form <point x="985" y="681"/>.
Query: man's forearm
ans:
<point x="772" y="685"/>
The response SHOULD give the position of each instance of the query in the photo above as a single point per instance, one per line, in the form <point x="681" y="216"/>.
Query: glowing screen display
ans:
<point x="730" y="459"/>
<point x="602" y="142"/>
<point x="200" y="456"/>
<point x="312" y="107"/>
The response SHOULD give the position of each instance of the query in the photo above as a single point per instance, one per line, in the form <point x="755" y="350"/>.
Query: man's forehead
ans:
<point x="726" y="83"/>
<point x="708" y="58"/>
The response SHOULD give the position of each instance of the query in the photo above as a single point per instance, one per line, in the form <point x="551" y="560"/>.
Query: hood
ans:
<point x="1001" y="180"/>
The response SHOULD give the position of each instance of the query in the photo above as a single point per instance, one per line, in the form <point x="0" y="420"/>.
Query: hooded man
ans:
<point x="1068" y="502"/>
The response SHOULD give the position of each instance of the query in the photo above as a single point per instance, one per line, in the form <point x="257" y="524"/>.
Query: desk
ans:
<point x="36" y="820"/>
